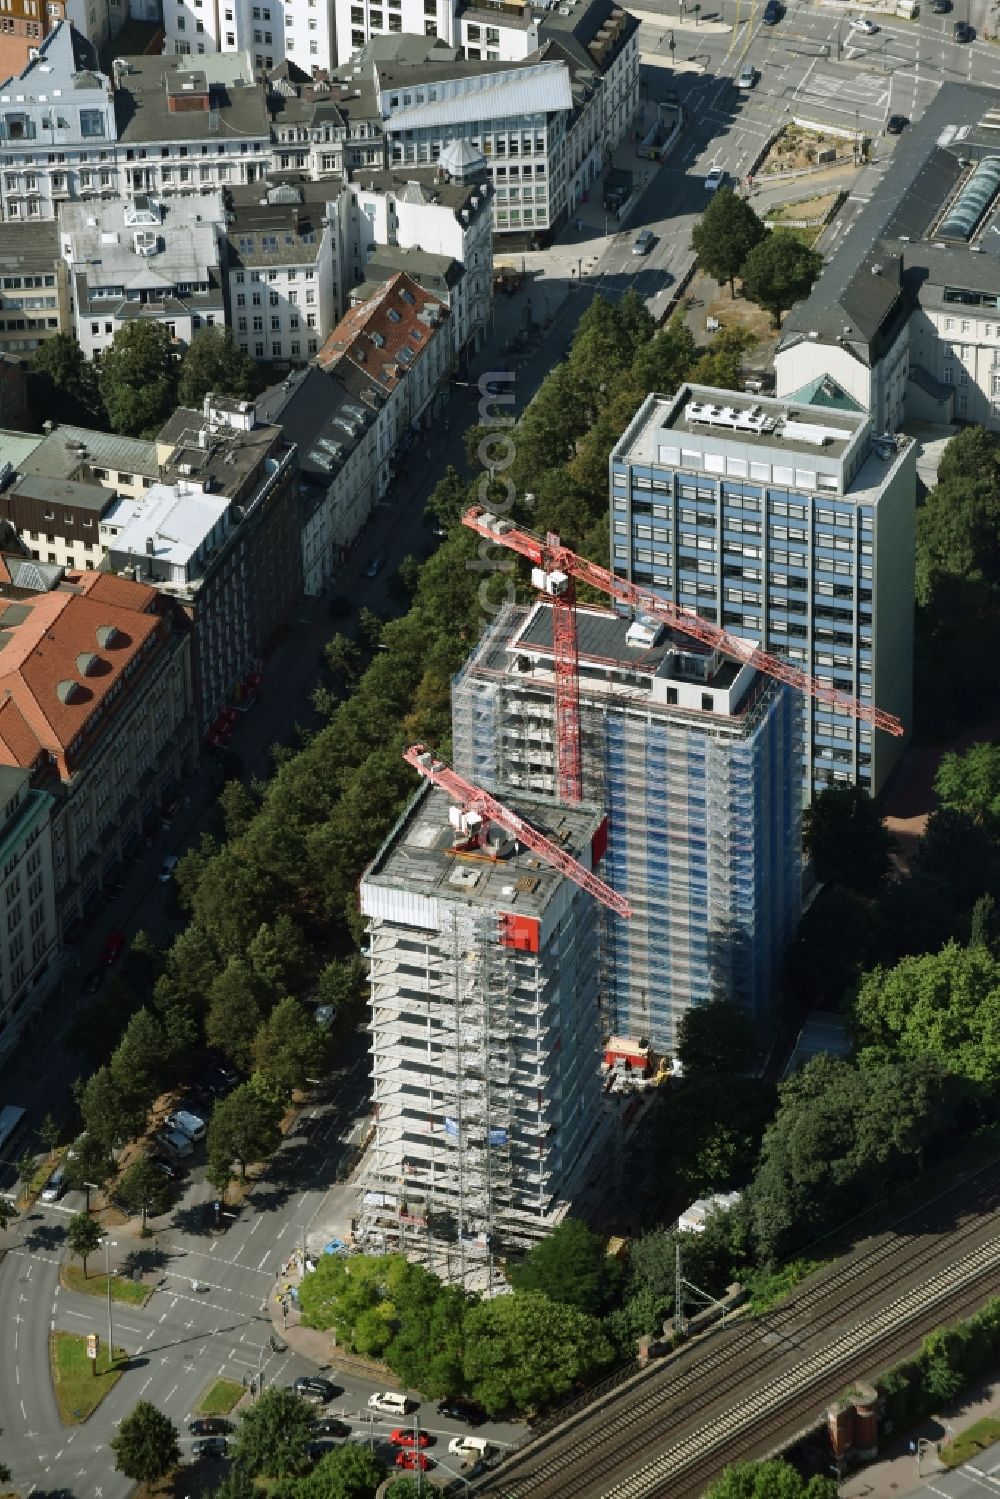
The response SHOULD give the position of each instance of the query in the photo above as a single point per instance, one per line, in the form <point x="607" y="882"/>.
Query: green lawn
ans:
<point x="134" y="1293"/>
<point x="970" y="1443"/>
<point x="220" y="1397"/>
<point x="79" y="1391"/>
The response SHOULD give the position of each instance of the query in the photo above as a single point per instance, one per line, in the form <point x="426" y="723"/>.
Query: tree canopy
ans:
<point x="571" y="1265"/>
<point x="846" y="838"/>
<point x="212" y="363"/>
<point x="145" y="1445"/>
<point x="62" y="383"/>
<point x="774" y="1479"/>
<point x="524" y="1351"/>
<point x="137" y="378"/>
<point x="83" y="1234"/>
<point x="780" y="271"/>
<point x="272" y="1436"/>
<point x="970" y="783"/>
<point x="724" y="236"/>
<point x="243" y="1128"/>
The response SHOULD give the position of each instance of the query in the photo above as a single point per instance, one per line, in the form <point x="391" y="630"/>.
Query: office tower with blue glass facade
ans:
<point x="790" y="522"/>
<point x="696" y="760"/>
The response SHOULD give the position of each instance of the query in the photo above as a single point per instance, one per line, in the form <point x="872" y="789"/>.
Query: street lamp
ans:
<point x="109" y="1244"/>
<point x="88" y="1188"/>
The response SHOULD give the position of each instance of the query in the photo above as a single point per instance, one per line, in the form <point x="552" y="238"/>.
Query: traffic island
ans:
<point x="221" y="1397"/>
<point x="80" y="1382"/>
<point x="134" y="1293"/>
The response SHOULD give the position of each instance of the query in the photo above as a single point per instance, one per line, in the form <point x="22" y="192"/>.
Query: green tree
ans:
<point x="279" y="955"/>
<point x="970" y="783"/>
<point x="137" y="378"/>
<point x="846" y="838"/>
<point x="236" y="1009"/>
<point x="774" y="1479"/>
<point x="145" y="1446"/>
<point x="144" y="1189"/>
<point x="724" y="236"/>
<point x="571" y="1266"/>
<point x="289" y="1046"/>
<point x="983" y="926"/>
<point x="405" y="1488"/>
<point x="837" y="938"/>
<point x="212" y="363"/>
<point x="140" y="1062"/>
<point x="62" y="383"/>
<point x="937" y="1005"/>
<point x="523" y="1351"/>
<point x="89" y="1160"/>
<point x="720" y="1037"/>
<point x="348" y="1472"/>
<point x="780" y="271"/>
<point x="343" y="982"/>
<point x="959" y="853"/>
<point x="449" y="498"/>
<point x="958" y="525"/>
<point x="722" y="362"/>
<point x="238" y="1484"/>
<point x="110" y="1115"/>
<point x="710" y="1130"/>
<point x="48" y="1134"/>
<point x="244" y="1127"/>
<point x="272" y="1435"/>
<point x="83" y="1234"/>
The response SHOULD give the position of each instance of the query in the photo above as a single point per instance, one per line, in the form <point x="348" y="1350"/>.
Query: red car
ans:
<point x="113" y="948"/>
<point x="413" y="1460"/>
<point x="401" y="1437"/>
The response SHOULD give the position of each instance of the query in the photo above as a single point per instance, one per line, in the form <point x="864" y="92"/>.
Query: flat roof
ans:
<point x="416" y="856"/>
<point x="602" y="636"/>
<point x="176" y="522"/>
<point x="82" y="496"/>
<point x="767" y="422"/>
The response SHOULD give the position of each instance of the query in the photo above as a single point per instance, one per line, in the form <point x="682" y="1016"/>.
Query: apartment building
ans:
<point x="697" y="760"/>
<point x="399" y="339"/>
<point x="358" y="21"/>
<point x="34" y="303"/>
<point x="484" y="1022"/>
<point x="284" y="255"/>
<point x="789" y="524"/>
<point x="269" y="32"/>
<point x="57" y="129"/>
<point x="124" y="465"/>
<point x="23" y="25"/>
<point x="219" y="534"/>
<point x="97" y="707"/>
<point x="187" y="127"/>
<point x="30" y="937"/>
<point x="324" y="127"/>
<point x="59" y="520"/>
<point x="142" y="259"/>
<point x="436" y="224"/>
<point x="331" y="415"/>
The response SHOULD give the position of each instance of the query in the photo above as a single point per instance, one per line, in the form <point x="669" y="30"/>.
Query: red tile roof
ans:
<point x="57" y="664"/>
<point x="373" y="334"/>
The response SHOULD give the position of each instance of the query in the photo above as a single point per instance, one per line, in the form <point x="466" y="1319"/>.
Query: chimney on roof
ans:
<point x="150" y="547"/>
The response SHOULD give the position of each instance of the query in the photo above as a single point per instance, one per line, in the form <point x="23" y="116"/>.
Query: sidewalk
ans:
<point x="895" y="1474"/>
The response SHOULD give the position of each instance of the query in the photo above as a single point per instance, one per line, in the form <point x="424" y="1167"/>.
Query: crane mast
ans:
<point x="475" y="799"/>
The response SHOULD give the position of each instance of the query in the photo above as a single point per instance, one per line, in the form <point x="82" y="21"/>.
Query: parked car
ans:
<point x="55" y="1186"/>
<point x="170" y="1171"/>
<point x="474" y="1447"/>
<point x="715" y="179"/>
<point x="772" y="13"/>
<point x="404" y="1437"/>
<point x="896" y="124"/>
<point x="209" y="1426"/>
<point x="461" y="1410"/>
<point x="114" y="946"/>
<point x="962" y="31"/>
<point x="864" y="24"/>
<point x="311" y="1387"/>
<point x="167" y="868"/>
<point x="413" y="1460"/>
<point x="209" y="1447"/>
<point x="93" y="981"/>
<point x="940" y="7"/>
<point x="375" y="566"/>
<point x="184" y="1123"/>
<point x="748" y="77"/>
<point x="329" y="1426"/>
<point x="644" y="242"/>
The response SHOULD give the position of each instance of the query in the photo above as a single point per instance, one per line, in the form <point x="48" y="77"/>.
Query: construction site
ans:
<point x="486" y="1033"/>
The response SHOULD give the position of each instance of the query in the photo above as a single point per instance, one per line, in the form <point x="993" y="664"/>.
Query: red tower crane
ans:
<point x="474" y="799"/>
<point x="556" y="570"/>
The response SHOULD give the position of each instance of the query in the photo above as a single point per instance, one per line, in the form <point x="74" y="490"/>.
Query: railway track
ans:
<point x="746" y="1389"/>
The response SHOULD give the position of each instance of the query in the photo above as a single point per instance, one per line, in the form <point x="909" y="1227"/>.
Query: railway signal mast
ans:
<point x="555" y="572"/>
<point x="475" y="800"/>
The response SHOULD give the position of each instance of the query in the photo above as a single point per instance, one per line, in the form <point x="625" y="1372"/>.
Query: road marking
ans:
<point x="24" y="1414"/>
<point x="173" y="1392"/>
<point x="87" y="1316"/>
<point x="263" y="1261"/>
<point x="125" y="1328"/>
<point x="146" y="1386"/>
<point x="256" y="1225"/>
<point x="17" y="1371"/>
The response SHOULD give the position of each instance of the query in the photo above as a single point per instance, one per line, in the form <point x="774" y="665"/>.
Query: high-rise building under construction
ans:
<point x="485" y="1031"/>
<point x="696" y="759"/>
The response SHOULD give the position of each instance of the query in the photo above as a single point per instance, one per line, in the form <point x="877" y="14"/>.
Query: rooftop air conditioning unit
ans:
<point x="146" y="242"/>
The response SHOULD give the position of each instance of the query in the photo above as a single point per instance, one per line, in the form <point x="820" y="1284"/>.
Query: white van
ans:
<point x="390" y="1403"/>
<point x="476" y="1447"/>
<point x="55" y="1186"/>
<point x="185" y="1123"/>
